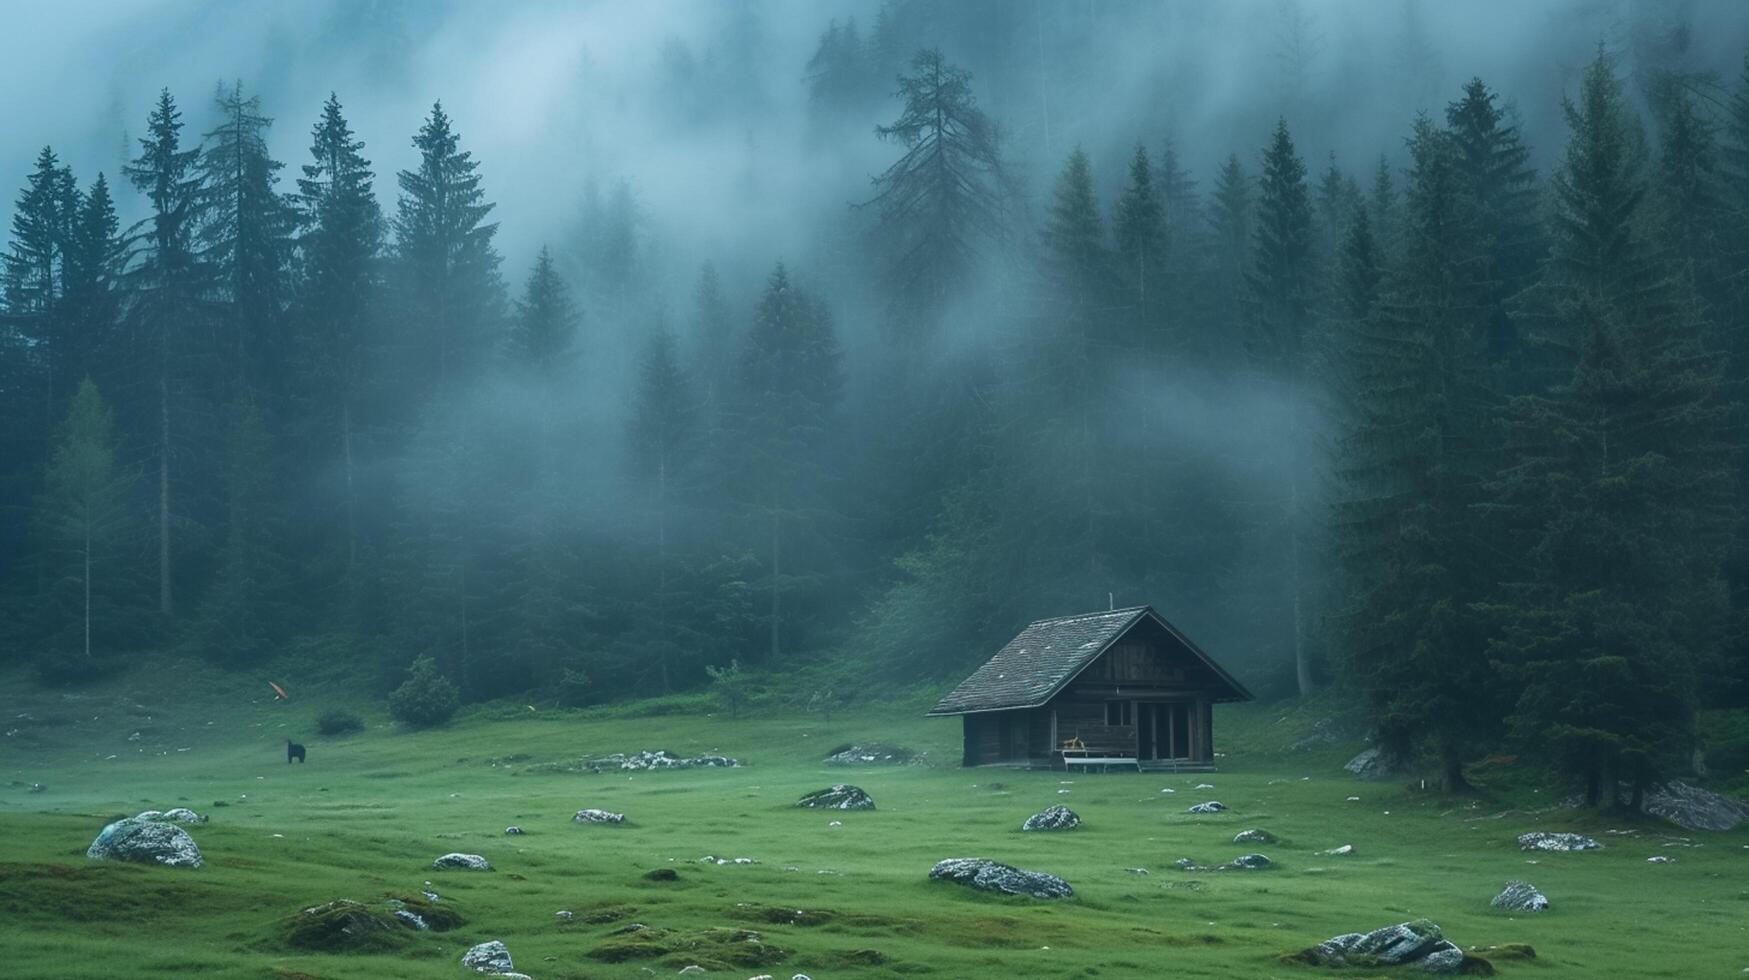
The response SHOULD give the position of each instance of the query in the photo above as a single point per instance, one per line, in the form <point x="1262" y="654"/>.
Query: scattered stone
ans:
<point x="991" y="876"/>
<point x="694" y="968"/>
<point x="1693" y="808"/>
<point x="466" y="862"/>
<point x="513" y="831"/>
<point x="564" y="915"/>
<point x="1254" y="836"/>
<point x="1168" y="790"/>
<point x="413" y="919"/>
<point x="1660" y="859"/>
<point x="1339" y="851"/>
<point x="841" y="796"/>
<point x="873" y="754"/>
<point x="663" y="759"/>
<point x="1543" y="841"/>
<point x="1520" y="896"/>
<point x="1406" y="942"/>
<point x="1052" y="818"/>
<point x="1137" y="871"/>
<point x="488" y="957"/>
<point x="182" y="814"/>
<point x="147" y="842"/>
<point x="1212" y="806"/>
<point x="1205" y="785"/>
<point x="835" y="823"/>
<point x="1249" y="861"/>
<point x="591" y="815"/>
<point x="1372" y="764"/>
<point x="38" y="788"/>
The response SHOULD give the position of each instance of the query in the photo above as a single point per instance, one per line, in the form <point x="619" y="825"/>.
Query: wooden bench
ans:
<point x="1102" y="746"/>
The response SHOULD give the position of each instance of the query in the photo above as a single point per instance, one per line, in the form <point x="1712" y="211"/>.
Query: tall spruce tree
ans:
<point x="1624" y="477"/>
<point x="942" y="206"/>
<point x="1230" y="218"/>
<point x="247" y="234"/>
<point x="168" y="312"/>
<point x="1281" y="285"/>
<point x="1139" y="226"/>
<point x="447" y="265"/>
<point x="662" y="435"/>
<point x="788" y="383"/>
<point x="1414" y="455"/>
<point x="340" y="240"/>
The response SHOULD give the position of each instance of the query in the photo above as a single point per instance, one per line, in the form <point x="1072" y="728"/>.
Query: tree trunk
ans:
<point x="164" y="593"/>
<point x="351" y="500"/>
<point x="1454" y="773"/>
<point x="776" y="647"/>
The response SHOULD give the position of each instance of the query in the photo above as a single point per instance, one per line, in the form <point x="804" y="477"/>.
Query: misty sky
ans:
<point x="551" y="95"/>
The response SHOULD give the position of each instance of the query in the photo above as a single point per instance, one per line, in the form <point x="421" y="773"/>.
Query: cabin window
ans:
<point x="1120" y="712"/>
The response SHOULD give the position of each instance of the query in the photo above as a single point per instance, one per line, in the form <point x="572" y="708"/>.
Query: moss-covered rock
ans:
<point x="713" y="949"/>
<point x="345" y="926"/>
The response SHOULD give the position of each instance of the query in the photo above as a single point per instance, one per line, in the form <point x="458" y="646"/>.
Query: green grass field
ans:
<point x="365" y="817"/>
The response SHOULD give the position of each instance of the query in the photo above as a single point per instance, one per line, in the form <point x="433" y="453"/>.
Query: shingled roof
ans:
<point x="1036" y="664"/>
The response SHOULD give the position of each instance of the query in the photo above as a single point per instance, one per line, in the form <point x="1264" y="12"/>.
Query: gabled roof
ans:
<point x="1047" y="655"/>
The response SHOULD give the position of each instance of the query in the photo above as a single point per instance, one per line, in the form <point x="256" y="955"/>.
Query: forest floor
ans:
<point x="366" y="815"/>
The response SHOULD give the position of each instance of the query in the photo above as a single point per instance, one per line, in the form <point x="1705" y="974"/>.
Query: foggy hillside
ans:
<point x="583" y="347"/>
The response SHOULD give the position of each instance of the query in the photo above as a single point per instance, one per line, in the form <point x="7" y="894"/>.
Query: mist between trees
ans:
<point x="1447" y="430"/>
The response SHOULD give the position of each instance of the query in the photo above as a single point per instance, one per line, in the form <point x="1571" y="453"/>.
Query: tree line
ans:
<point x="1453" y="435"/>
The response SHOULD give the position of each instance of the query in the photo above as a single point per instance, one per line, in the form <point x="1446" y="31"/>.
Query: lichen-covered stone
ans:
<point x="1693" y="808"/>
<point x="1212" y="806"/>
<point x="146" y="842"/>
<point x="1520" y="896"/>
<point x="464" y="862"/>
<point x="1543" y="841"/>
<point x="592" y="815"/>
<point x="1405" y="942"/>
<point x="841" y="796"/>
<point x="992" y="876"/>
<point x="488" y="957"/>
<point x="1254" y="837"/>
<point x="1052" y="818"/>
<point x="1249" y="861"/>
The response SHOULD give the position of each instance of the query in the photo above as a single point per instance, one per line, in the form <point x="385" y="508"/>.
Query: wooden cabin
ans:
<point x="1123" y="687"/>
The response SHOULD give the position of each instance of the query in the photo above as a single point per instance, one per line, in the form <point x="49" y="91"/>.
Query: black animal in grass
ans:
<point x="293" y="751"/>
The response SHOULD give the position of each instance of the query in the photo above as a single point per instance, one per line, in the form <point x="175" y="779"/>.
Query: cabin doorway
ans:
<point x="1163" y="729"/>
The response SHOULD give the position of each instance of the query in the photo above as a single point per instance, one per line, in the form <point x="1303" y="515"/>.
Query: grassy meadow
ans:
<point x="367" y="814"/>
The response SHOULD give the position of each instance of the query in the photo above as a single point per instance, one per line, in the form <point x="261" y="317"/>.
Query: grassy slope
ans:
<point x="369" y="812"/>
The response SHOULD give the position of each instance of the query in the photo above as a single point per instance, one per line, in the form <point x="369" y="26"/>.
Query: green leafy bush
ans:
<point x="338" y="721"/>
<point x="426" y="697"/>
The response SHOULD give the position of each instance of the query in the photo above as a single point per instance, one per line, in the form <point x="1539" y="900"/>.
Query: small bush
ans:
<point x="426" y="697"/>
<point x="338" y="721"/>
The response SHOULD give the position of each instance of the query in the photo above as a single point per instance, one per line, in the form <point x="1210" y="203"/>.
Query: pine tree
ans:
<point x="33" y="285"/>
<point x="247" y="236"/>
<point x="1381" y="204"/>
<point x="447" y="264"/>
<point x="1624" y="477"/>
<point x="168" y="310"/>
<point x="942" y="205"/>
<point x="838" y="73"/>
<point x="1139" y="225"/>
<point x="1281" y="285"/>
<point x="661" y="434"/>
<point x="713" y="337"/>
<point x="1230" y="222"/>
<point x="1359" y="269"/>
<point x="96" y="261"/>
<point x="543" y="335"/>
<point x="788" y="383"/>
<point x="1414" y="455"/>
<point x="1501" y="190"/>
<point x="340" y="240"/>
<point x="83" y="529"/>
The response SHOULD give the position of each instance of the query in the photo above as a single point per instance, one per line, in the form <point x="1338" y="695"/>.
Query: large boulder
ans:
<point x="1373" y="764"/>
<point x="147" y="842"/>
<point x="1405" y="942"/>
<point x="841" y="796"/>
<point x="1543" y="841"/>
<point x="1249" y="861"/>
<point x="592" y="815"/>
<point x="1052" y="818"/>
<point x="1520" y="896"/>
<point x="872" y="754"/>
<point x="465" y="862"/>
<point x="991" y="876"/>
<point x="1693" y="808"/>
<point x="488" y="957"/>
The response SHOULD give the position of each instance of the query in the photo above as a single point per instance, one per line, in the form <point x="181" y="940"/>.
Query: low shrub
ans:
<point x="426" y="697"/>
<point x="338" y="721"/>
